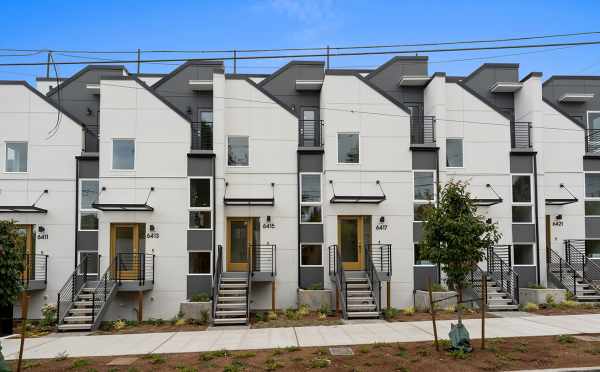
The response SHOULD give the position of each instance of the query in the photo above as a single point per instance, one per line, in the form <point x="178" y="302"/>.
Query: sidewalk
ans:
<point x="270" y="338"/>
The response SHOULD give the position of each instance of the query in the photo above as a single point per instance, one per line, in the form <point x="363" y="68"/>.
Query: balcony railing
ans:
<point x="310" y="133"/>
<point x="520" y="135"/>
<point x="136" y="267"/>
<point x="36" y="269"/>
<point x="202" y="135"/>
<point x="422" y="130"/>
<point x="264" y="258"/>
<point x="592" y="141"/>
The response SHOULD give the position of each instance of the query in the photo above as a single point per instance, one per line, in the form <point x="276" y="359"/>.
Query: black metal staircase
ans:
<point x="576" y="272"/>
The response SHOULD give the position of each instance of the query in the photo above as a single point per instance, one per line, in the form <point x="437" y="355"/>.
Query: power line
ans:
<point x="343" y="54"/>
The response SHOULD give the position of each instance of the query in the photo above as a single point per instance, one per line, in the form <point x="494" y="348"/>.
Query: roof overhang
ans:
<point x="124" y="207"/>
<point x="561" y="201"/>
<point x="576" y="97"/>
<point x="357" y="199"/>
<point x="506" y="87"/>
<point x="22" y="209"/>
<point x="487" y="202"/>
<point x="249" y="201"/>
<point x="201" y="85"/>
<point x="309" y="85"/>
<point x="94" y="88"/>
<point x="414" y="80"/>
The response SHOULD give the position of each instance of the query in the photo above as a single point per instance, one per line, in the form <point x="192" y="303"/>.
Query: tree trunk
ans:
<point x="459" y="305"/>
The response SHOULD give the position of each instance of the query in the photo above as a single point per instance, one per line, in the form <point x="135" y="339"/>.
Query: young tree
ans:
<point x="455" y="236"/>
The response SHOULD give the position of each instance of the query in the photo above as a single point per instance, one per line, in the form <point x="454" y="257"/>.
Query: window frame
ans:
<point x="202" y="209"/>
<point x="589" y="198"/>
<point x="322" y="260"/>
<point x="311" y="204"/>
<point x="81" y="210"/>
<point x="337" y="147"/>
<point x="533" y="255"/>
<point x="462" y="152"/>
<point x="432" y="202"/>
<point x="529" y="204"/>
<point x="112" y="155"/>
<point x="227" y="149"/>
<point x="210" y="265"/>
<point x="587" y="117"/>
<point x="6" y="143"/>
<point x="432" y="264"/>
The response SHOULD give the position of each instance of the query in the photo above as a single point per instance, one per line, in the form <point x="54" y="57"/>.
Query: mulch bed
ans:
<point x="311" y="319"/>
<point x="150" y="328"/>
<point x="440" y="315"/>
<point x="500" y="354"/>
<point x="567" y="311"/>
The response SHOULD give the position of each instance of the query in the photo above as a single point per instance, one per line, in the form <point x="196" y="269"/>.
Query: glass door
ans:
<point x="351" y="242"/>
<point x="125" y="246"/>
<point x="239" y="240"/>
<point x="25" y="242"/>
<point x="309" y="128"/>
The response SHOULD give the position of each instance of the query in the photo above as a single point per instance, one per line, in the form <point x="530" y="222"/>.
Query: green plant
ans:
<point x="235" y="366"/>
<point x="437" y="287"/>
<point x="272" y="364"/>
<point x="459" y="354"/>
<point x="259" y="316"/>
<point x="549" y="300"/>
<point x="568" y="304"/>
<point x="408" y="311"/>
<point x="272" y="315"/>
<point x="535" y="286"/>
<point x="364" y="349"/>
<point x="320" y="363"/>
<point x="48" y="315"/>
<point x="118" y="325"/>
<point x="324" y="309"/>
<point x="277" y="352"/>
<point x="401" y="352"/>
<point x="291" y="349"/>
<point x="530" y="306"/>
<point x="183" y="368"/>
<point x="204" y="316"/>
<point x="390" y="313"/>
<point x="315" y="287"/>
<point x="292" y="314"/>
<point x="12" y="263"/>
<point x="566" y="339"/>
<point x="155" y="358"/>
<point x="200" y="297"/>
<point x="570" y="296"/>
<point x="303" y="310"/>
<point x="79" y="363"/>
<point x="444" y="344"/>
<point x="210" y="355"/>
<point x="245" y="354"/>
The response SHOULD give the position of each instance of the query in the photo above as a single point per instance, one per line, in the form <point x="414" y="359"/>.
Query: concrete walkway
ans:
<point x="244" y="339"/>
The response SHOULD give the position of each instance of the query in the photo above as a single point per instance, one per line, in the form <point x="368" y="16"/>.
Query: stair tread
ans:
<point x="81" y="326"/>
<point x="230" y="320"/>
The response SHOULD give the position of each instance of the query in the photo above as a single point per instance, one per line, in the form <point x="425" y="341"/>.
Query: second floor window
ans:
<point x="238" y="153"/>
<point x="522" y="199"/>
<point x="123" y="154"/>
<point x="424" y="193"/>
<point x="88" y="194"/>
<point x="592" y="194"/>
<point x="200" y="209"/>
<point x="310" y="201"/>
<point x="348" y="148"/>
<point x="16" y="157"/>
<point x="454" y="152"/>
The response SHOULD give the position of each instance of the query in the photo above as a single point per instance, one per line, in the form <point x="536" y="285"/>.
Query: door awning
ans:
<point x="488" y="202"/>
<point x="241" y="201"/>
<point x="25" y="208"/>
<point x="124" y="207"/>
<point x="562" y="201"/>
<point x="357" y="199"/>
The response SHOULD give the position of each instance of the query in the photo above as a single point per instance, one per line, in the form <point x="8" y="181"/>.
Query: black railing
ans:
<point x="310" y="133"/>
<point x="381" y="257"/>
<point x="562" y="272"/>
<point x="504" y="252"/>
<point x="584" y="267"/>
<point x="520" y="135"/>
<point x="336" y="269"/>
<point x="249" y="286"/>
<point x="103" y="291"/>
<point x="592" y="141"/>
<point x="216" y="278"/>
<point x="475" y="282"/>
<point x="36" y="269"/>
<point x="134" y="267"/>
<point x="69" y="291"/>
<point x="373" y="275"/>
<point x="202" y="135"/>
<point x="422" y="130"/>
<point x="264" y="258"/>
<point x="502" y="273"/>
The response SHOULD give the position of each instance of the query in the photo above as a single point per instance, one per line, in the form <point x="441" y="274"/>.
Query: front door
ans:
<point x="239" y="243"/>
<point x="25" y="241"/>
<point x="351" y="241"/>
<point x="310" y="131"/>
<point x="125" y="247"/>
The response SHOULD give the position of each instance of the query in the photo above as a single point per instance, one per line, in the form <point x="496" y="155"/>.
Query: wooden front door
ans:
<point x="351" y="242"/>
<point x="26" y="243"/>
<point x="125" y="247"/>
<point x="239" y="243"/>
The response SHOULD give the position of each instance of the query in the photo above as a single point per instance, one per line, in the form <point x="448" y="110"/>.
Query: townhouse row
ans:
<point x="138" y="191"/>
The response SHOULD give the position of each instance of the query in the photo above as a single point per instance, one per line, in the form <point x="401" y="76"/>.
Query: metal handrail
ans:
<point x="381" y="255"/>
<point x="372" y="274"/>
<point x="69" y="291"/>
<point x="521" y="134"/>
<point x="336" y="269"/>
<point x="249" y="286"/>
<point x="36" y="268"/>
<point x="103" y="290"/>
<point x="475" y="281"/>
<point x="592" y="140"/>
<point x="584" y="267"/>
<point x="134" y="267"/>
<point x="503" y="274"/>
<point x="422" y="130"/>
<point x="216" y="279"/>
<point x="202" y="135"/>
<point x="264" y="258"/>
<point x="310" y="133"/>
<point x="563" y="272"/>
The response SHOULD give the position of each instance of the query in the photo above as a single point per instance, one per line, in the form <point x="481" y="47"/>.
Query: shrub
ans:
<point x="364" y="349"/>
<point x="48" y="315"/>
<point x="292" y="314"/>
<point x="200" y="297"/>
<point x="210" y="355"/>
<point x="291" y="349"/>
<point x="320" y="363"/>
<point x="259" y="316"/>
<point x="566" y="339"/>
<point x="530" y="306"/>
<point x="180" y="322"/>
<point x="235" y="366"/>
<point x="272" y="364"/>
<point x="535" y="286"/>
<point x="408" y="310"/>
<point x="79" y="363"/>
<point x="437" y="287"/>
<point x="204" y="315"/>
<point x="303" y="310"/>
<point x="119" y="324"/>
<point x="550" y="300"/>
<point x="570" y="296"/>
<point x="444" y="344"/>
<point x="459" y="354"/>
<point x="324" y="309"/>
<point x="450" y="309"/>
<point x="155" y="358"/>
<point x="390" y="313"/>
<point x="272" y="315"/>
<point x="568" y="304"/>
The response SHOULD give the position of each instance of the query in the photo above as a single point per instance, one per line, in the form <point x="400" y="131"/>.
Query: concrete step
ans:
<point x="221" y="321"/>
<point x="230" y="313"/>
<point x="588" y="298"/>
<point x="499" y="301"/>
<point x="74" y="327"/>
<point x="496" y="295"/>
<point x="358" y="307"/>
<point x="358" y="286"/>
<point x="232" y="305"/>
<point x="85" y="296"/>
<point x="75" y="311"/>
<point x="360" y="299"/>
<point x="355" y="293"/>
<point x="231" y="292"/>
<point x="232" y="299"/>
<point x="357" y="280"/>
<point x="85" y="303"/>
<point x="234" y="280"/>
<point x="506" y="307"/>
<point x="88" y="290"/>
<point x="363" y="314"/>
<point x="78" y="319"/>
<point x="233" y="285"/>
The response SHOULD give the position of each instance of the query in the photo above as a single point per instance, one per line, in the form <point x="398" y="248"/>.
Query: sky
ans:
<point x="123" y="25"/>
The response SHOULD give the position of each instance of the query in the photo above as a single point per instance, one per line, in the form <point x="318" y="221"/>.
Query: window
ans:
<point x="237" y="151"/>
<point x="311" y="255"/>
<point x="123" y="154"/>
<point x="16" y="157"/>
<point x="419" y="260"/>
<point x="424" y="193"/>
<point x="200" y="203"/>
<point x="310" y="200"/>
<point x="592" y="208"/>
<point x="592" y="248"/>
<point x="348" y="148"/>
<point x="92" y="262"/>
<point x="454" y="152"/>
<point x="199" y="262"/>
<point x="593" y="120"/>
<point x="522" y="199"/>
<point x="592" y="185"/>
<point x="523" y="254"/>
<point x="88" y="194"/>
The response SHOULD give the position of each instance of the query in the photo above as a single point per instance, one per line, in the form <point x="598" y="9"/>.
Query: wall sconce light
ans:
<point x="268" y="218"/>
<point x="559" y="217"/>
<point x="89" y="111"/>
<point x="293" y="107"/>
<point x="488" y="221"/>
<point x="189" y="110"/>
<point x="41" y="229"/>
<point x="381" y="219"/>
<point x="152" y="228"/>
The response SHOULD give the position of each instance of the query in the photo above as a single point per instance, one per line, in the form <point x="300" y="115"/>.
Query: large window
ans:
<point x="123" y="154"/>
<point x="454" y="152"/>
<point x="592" y="194"/>
<point x="311" y="255"/>
<point x="522" y="206"/>
<point x="419" y="259"/>
<point x="348" y="148"/>
<point x="199" y="262"/>
<point x="200" y="203"/>
<point x="88" y="194"/>
<point x="16" y="157"/>
<point x="310" y="200"/>
<point x="592" y="248"/>
<point x="523" y="254"/>
<point x="238" y="153"/>
<point x="424" y="193"/>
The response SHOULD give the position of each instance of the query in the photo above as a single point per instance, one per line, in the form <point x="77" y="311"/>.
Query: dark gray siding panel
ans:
<point x="310" y="162"/>
<point x="417" y="231"/>
<point x="422" y="274"/>
<point x="592" y="227"/>
<point x="556" y="86"/>
<point x="311" y="233"/>
<point x="199" y="240"/>
<point x="593" y="273"/>
<point x="527" y="275"/>
<point x="486" y="76"/>
<point x="424" y="159"/>
<point x="591" y="165"/>
<point x="521" y="164"/>
<point x="88" y="168"/>
<point x="523" y="233"/>
<point x="388" y="76"/>
<point x="311" y="276"/>
<point x="200" y="167"/>
<point x="199" y="284"/>
<point x="87" y="240"/>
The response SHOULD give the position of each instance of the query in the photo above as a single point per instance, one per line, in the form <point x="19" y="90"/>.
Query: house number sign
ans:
<point x="268" y="225"/>
<point x="381" y="227"/>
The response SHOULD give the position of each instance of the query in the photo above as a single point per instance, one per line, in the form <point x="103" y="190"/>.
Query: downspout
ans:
<point x="298" y="211"/>
<point x="537" y="230"/>
<point x="77" y="212"/>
